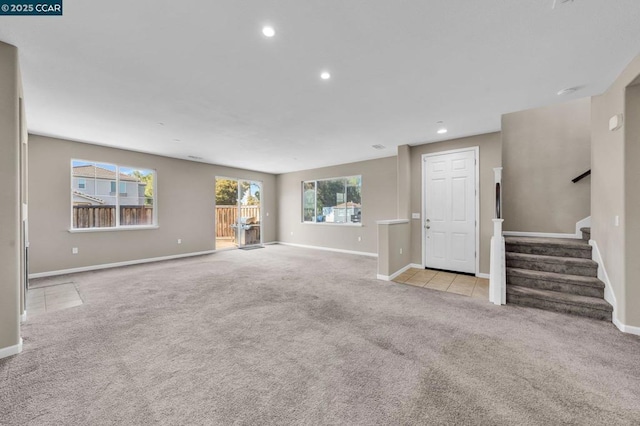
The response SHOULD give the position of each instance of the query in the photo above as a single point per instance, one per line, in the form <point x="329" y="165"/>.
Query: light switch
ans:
<point x="415" y="215"/>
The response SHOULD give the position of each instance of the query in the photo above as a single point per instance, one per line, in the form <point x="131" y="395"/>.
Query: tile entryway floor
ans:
<point x="465" y="285"/>
<point x="52" y="298"/>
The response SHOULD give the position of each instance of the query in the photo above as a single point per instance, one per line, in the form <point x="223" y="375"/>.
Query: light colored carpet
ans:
<point x="294" y="336"/>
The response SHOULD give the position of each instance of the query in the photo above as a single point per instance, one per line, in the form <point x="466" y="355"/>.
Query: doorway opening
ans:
<point x="451" y="210"/>
<point x="238" y="219"/>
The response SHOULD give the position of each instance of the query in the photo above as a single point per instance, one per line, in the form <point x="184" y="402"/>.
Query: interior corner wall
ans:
<point x="490" y="157"/>
<point x="543" y="149"/>
<point x="379" y="201"/>
<point x="632" y="203"/>
<point x="10" y="247"/>
<point x="608" y="192"/>
<point x="404" y="182"/>
<point x="185" y="192"/>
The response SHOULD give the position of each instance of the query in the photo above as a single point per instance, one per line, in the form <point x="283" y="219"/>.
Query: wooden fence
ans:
<point x="227" y="215"/>
<point x="105" y="216"/>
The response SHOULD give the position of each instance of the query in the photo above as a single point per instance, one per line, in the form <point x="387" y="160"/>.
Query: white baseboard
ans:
<point x="626" y="328"/>
<point x="596" y="256"/>
<point x="584" y="223"/>
<point x="539" y="234"/>
<point x="360" y="253"/>
<point x="23" y="317"/>
<point x="11" y="350"/>
<point x="418" y="266"/>
<point x="116" y="264"/>
<point x="395" y="274"/>
<point x="609" y="295"/>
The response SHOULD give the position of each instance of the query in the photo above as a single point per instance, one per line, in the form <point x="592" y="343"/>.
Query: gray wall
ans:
<point x="379" y="201"/>
<point x="609" y="161"/>
<point x="632" y="204"/>
<point x="393" y="247"/>
<point x="490" y="157"/>
<point x="542" y="150"/>
<point x="185" y="199"/>
<point x="404" y="182"/>
<point x="10" y="246"/>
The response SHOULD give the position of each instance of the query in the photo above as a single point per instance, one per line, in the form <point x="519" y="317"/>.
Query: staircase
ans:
<point x="555" y="274"/>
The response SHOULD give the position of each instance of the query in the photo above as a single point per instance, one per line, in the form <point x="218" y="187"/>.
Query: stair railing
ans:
<point x="497" y="276"/>
<point x="582" y="176"/>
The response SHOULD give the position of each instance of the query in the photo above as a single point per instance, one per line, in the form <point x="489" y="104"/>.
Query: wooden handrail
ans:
<point x="498" y="212"/>
<point x="582" y="176"/>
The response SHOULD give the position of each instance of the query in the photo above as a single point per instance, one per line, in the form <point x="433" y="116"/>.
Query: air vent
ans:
<point x="560" y="3"/>
<point x="378" y="146"/>
<point x="193" y="157"/>
<point x="569" y="90"/>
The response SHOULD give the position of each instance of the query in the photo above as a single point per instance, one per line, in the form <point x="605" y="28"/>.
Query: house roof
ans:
<point x="92" y="171"/>
<point x="89" y="197"/>
<point x="349" y="205"/>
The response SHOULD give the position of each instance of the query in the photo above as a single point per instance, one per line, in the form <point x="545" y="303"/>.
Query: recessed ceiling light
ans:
<point x="176" y="140"/>
<point x="442" y="131"/>
<point x="325" y="75"/>
<point x="160" y="124"/>
<point x="268" y="31"/>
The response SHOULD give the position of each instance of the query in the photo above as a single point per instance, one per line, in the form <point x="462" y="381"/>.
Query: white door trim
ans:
<point x="476" y="153"/>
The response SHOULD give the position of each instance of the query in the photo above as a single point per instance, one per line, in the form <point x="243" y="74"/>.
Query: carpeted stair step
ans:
<point x="572" y="284"/>
<point x="562" y="247"/>
<point x="591" y="307"/>
<point x="559" y="265"/>
<point x="586" y="233"/>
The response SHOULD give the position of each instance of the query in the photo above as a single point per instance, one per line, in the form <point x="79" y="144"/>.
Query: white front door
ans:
<point x="450" y="211"/>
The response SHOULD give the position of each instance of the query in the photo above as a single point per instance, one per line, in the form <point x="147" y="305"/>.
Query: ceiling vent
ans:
<point x="378" y="146"/>
<point x="194" y="157"/>
<point x="560" y="2"/>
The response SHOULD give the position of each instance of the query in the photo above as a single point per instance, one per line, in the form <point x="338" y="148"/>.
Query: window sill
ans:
<point x="113" y="229"/>
<point x="357" y="225"/>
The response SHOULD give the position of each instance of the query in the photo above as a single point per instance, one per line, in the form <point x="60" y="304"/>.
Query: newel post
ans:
<point x="498" y="279"/>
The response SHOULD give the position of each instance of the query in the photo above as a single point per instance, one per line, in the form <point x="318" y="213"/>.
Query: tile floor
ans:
<point x="52" y="298"/>
<point x="465" y="285"/>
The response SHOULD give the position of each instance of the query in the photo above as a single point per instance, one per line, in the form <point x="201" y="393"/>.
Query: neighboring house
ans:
<point x="94" y="185"/>
<point x="343" y="212"/>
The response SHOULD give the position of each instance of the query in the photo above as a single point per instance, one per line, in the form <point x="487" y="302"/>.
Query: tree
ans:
<point x="252" y="201"/>
<point x="226" y="192"/>
<point x="327" y="193"/>
<point x="148" y="185"/>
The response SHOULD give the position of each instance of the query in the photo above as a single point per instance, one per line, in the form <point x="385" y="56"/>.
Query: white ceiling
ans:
<point x="108" y="72"/>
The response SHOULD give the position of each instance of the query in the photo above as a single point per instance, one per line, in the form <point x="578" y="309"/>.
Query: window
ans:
<point x="97" y="204"/>
<point x="335" y="200"/>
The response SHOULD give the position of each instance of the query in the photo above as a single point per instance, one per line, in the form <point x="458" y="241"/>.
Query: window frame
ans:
<point x="315" y="204"/>
<point x="117" y="227"/>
